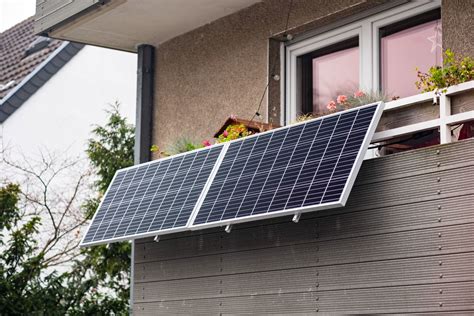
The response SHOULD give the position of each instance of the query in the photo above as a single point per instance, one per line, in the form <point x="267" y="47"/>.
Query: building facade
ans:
<point x="54" y="92"/>
<point x="403" y="243"/>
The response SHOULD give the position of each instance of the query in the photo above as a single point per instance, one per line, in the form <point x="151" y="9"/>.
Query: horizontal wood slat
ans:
<point x="438" y="269"/>
<point x="407" y="299"/>
<point x="454" y="239"/>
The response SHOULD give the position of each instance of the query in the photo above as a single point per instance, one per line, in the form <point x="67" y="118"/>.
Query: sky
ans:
<point x="15" y="11"/>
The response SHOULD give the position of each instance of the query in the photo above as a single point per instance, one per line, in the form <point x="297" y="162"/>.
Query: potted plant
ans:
<point x="455" y="70"/>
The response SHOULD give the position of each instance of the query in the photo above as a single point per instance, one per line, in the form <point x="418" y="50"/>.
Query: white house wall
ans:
<point x="61" y="114"/>
<point x="58" y="120"/>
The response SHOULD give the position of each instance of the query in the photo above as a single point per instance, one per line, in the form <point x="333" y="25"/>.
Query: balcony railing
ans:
<point x="440" y="118"/>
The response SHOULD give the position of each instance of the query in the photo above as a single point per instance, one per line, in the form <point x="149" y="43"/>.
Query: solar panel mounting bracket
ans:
<point x="296" y="218"/>
<point x="228" y="229"/>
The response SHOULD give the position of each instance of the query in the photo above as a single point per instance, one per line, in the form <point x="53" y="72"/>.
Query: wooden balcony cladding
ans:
<point x="408" y="115"/>
<point x="403" y="244"/>
<point x="462" y="102"/>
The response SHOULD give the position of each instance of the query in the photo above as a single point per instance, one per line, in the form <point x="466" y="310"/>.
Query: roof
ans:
<point x="27" y="61"/>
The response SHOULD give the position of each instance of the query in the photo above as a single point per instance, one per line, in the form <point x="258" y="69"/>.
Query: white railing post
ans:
<point x="444" y="114"/>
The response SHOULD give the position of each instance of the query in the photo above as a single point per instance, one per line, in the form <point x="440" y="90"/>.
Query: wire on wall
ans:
<point x="257" y="112"/>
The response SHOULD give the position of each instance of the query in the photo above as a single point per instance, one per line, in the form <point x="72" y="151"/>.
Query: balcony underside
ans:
<point x="125" y="24"/>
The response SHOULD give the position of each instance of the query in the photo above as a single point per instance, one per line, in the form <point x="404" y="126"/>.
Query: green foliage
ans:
<point x="108" y="266"/>
<point x="233" y="131"/>
<point x="21" y="289"/>
<point x="8" y="207"/>
<point x="112" y="147"/>
<point x="97" y="283"/>
<point x="455" y="70"/>
<point x="154" y="148"/>
<point x="182" y="145"/>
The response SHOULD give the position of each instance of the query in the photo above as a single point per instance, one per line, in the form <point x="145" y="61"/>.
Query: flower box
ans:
<point x="252" y="126"/>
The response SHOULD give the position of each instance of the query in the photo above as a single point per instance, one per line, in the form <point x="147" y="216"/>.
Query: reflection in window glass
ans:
<point x="333" y="74"/>
<point x="404" y="51"/>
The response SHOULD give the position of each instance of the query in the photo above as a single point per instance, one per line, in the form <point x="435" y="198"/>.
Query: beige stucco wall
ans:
<point x="221" y="68"/>
<point x="458" y="26"/>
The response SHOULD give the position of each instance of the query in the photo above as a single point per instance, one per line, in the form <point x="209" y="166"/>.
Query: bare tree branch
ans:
<point x="52" y="187"/>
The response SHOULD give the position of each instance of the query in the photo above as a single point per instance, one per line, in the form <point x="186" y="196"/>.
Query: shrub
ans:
<point x="455" y="70"/>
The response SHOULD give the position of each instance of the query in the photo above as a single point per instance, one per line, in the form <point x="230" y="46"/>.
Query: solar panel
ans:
<point x="299" y="168"/>
<point x="304" y="167"/>
<point x="152" y="198"/>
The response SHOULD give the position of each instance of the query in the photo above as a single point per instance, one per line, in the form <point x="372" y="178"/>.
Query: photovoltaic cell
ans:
<point x="290" y="170"/>
<point x="152" y="197"/>
<point x="305" y="166"/>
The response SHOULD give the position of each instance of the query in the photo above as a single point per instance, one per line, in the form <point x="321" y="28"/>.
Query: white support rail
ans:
<point x="443" y="123"/>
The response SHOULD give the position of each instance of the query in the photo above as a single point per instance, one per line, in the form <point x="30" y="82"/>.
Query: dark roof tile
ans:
<point x="15" y="63"/>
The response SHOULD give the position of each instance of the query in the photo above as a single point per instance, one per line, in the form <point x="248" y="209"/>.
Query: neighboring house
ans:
<point x="53" y="92"/>
<point x="404" y="243"/>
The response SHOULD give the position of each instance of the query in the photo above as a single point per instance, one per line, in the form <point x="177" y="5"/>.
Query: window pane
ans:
<point x="333" y="74"/>
<point x="402" y="52"/>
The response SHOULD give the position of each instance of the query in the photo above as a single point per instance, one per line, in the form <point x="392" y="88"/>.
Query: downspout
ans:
<point x="143" y="125"/>
<point x="145" y="89"/>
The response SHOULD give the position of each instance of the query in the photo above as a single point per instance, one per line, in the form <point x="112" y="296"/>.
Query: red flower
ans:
<point x="359" y="94"/>
<point x="341" y="99"/>
<point x="206" y="143"/>
<point x="331" y="106"/>
<point x="225" y="134"/>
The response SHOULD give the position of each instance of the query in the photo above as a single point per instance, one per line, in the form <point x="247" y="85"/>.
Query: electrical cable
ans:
<point x="257" y="113"/>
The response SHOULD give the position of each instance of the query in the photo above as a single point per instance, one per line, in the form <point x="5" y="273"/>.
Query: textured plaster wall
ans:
<point x="458" y="26"/>
<point x="221" y="68"/>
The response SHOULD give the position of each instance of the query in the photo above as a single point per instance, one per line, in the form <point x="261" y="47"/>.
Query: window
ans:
<point x="405" y="46"/>
<point x="334" y="69"/>
<point x="378" y="53"/>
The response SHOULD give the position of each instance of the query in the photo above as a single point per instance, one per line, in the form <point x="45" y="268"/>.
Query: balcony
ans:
<point x="125" y="24"/>
<point x="442" y="113"/>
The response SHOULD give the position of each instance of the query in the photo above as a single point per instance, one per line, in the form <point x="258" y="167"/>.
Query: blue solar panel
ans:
<point x="299" y="168"/>
<point x="153" y="197"/>
<point x="303" y="167"/>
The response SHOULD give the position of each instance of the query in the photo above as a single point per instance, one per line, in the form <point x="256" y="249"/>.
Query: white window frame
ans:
<point x="369" y="47"/>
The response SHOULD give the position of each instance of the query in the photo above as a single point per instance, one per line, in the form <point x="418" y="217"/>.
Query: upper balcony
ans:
<point x="125" y="24"/>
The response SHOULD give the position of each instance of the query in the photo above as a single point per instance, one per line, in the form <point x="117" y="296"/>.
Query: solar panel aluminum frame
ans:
<point x="345" y="193"/>
<point x="168" y="230"/>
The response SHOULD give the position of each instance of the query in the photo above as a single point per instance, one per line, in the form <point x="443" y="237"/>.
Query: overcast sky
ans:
<point x="14" y="11"/>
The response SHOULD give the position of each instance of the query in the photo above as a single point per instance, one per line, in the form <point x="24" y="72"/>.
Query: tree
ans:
<point x="51" y="275"/>
<point x="38" y="231"/>
<point x="110" y="150"/>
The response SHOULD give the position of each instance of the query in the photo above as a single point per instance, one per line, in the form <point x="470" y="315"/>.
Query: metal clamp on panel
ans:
<point x="296" y="217"/>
